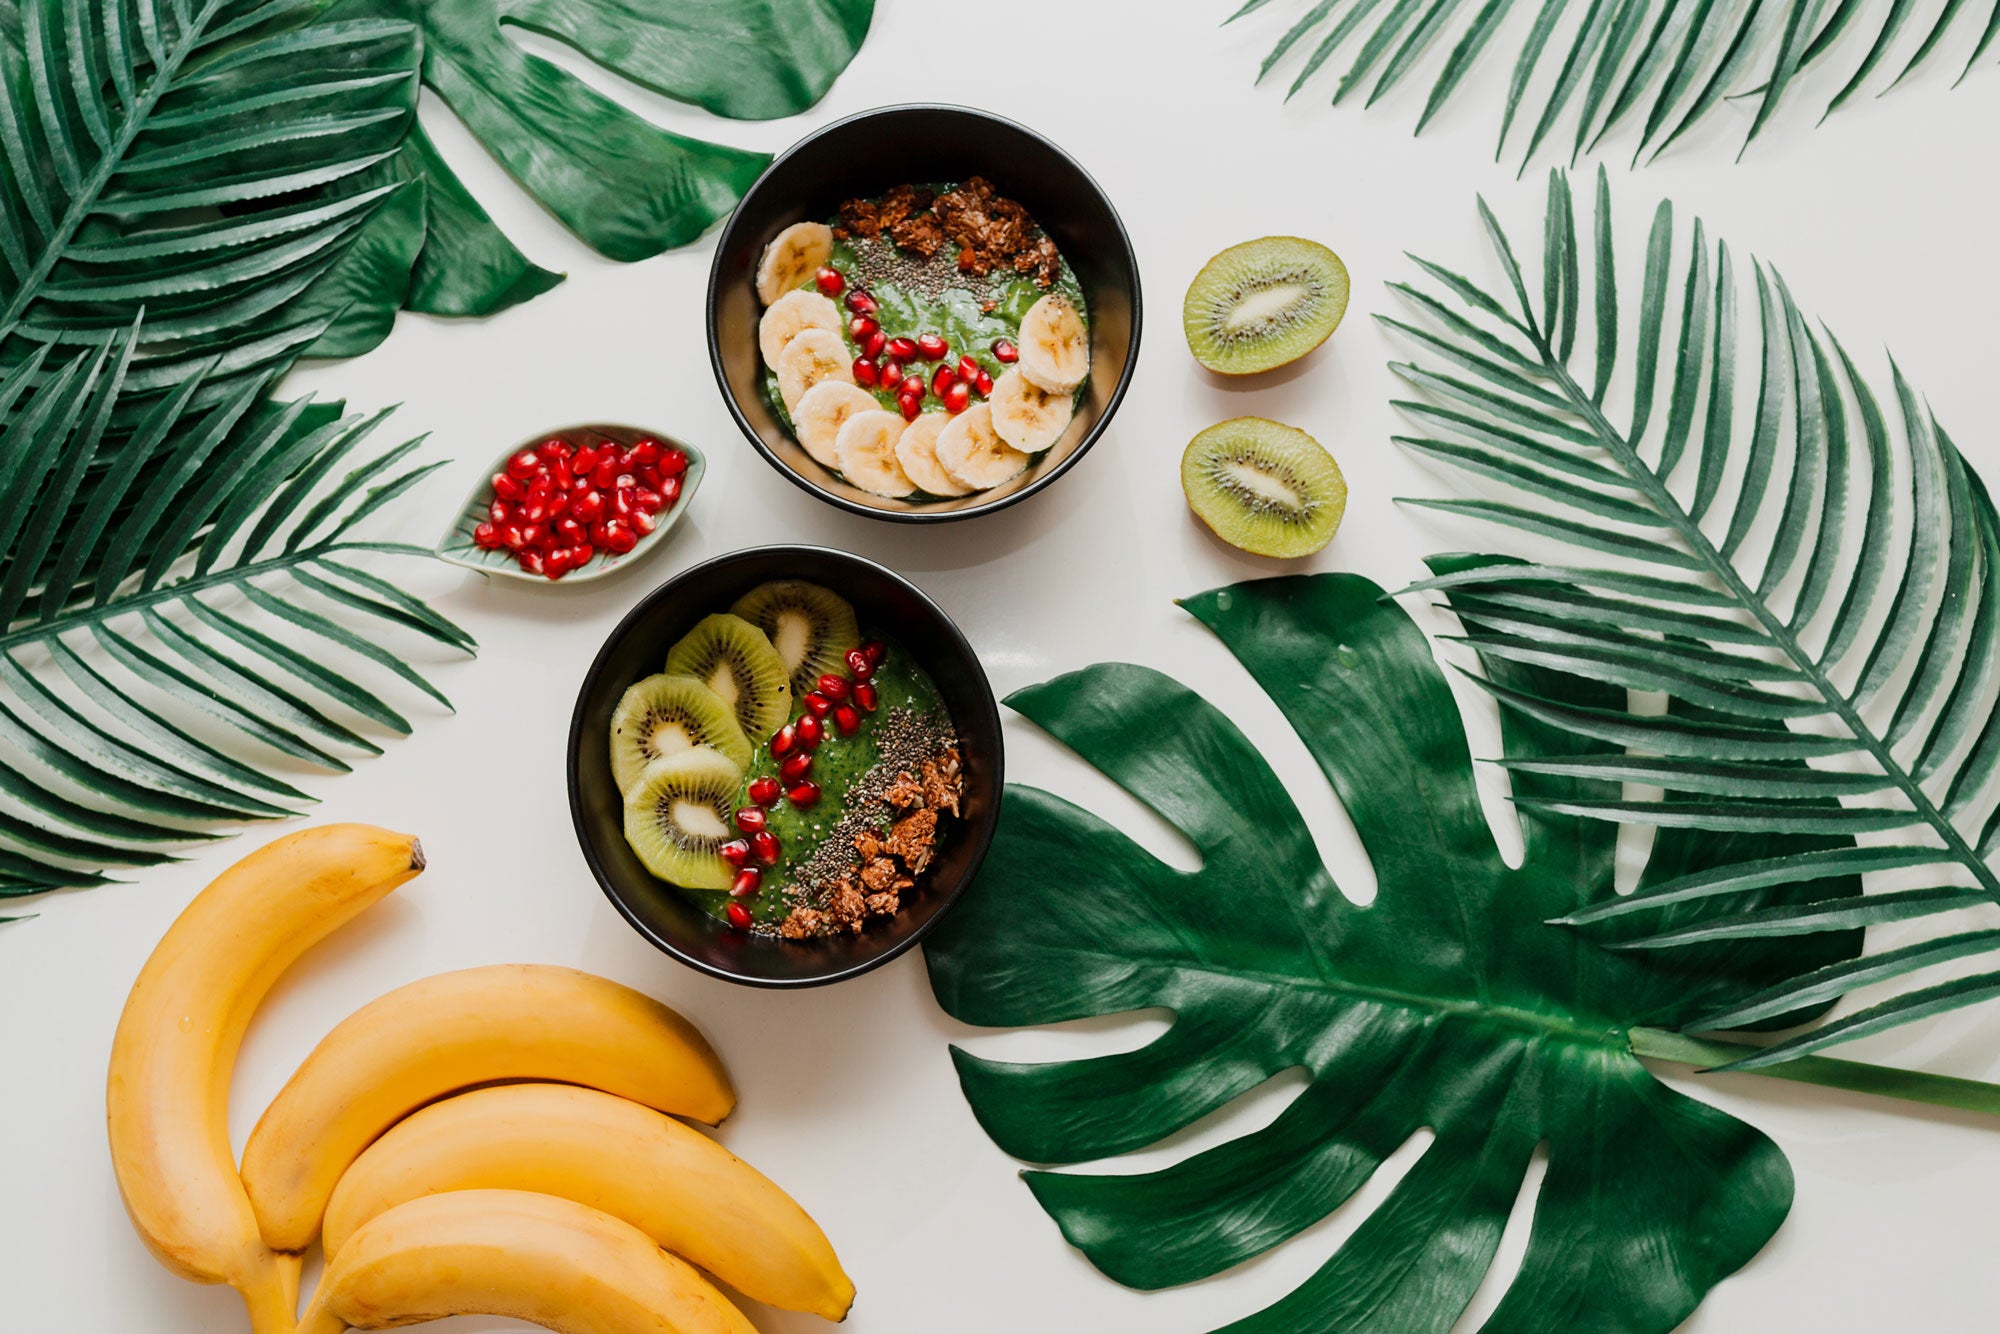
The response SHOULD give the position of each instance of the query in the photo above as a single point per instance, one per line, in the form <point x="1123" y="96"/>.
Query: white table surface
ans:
<point x="1883" y="223"/>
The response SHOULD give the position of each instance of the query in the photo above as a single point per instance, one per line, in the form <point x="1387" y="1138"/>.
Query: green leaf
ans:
<point x="357" y="299"/>
<point x="1445" y="1004"/>
<point x="467" y="265"/>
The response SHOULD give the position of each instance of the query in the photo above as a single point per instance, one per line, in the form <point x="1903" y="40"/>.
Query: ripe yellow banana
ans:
<point x="551" y="1262"/>
<point x="446" y="1033"/>
<point x="167" y="1096"/>
<point x="678" y="1186"/>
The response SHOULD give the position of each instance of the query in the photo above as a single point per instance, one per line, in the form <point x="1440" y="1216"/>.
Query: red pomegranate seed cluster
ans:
<point x="892" y="364"/>
<point x="557" y="505"/>
<point x="839" y="700"/>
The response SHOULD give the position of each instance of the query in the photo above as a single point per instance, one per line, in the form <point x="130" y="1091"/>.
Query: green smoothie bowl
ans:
<point x="924" y="313"/>
<point x="784" y="766"/>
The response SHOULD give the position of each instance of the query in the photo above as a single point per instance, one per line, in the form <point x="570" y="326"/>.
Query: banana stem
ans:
<point x="1967" y="1095"/>
<point x="271" y="1292"/>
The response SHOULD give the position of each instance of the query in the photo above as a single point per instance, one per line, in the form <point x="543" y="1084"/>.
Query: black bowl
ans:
<point x="865" y="155"/>
<point x="882" y="600"/>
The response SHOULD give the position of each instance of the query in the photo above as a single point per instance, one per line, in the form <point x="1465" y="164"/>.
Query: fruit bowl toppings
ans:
<point x="573" y="504"/>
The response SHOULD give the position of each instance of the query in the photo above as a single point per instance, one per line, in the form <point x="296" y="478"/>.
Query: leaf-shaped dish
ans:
<point x="458" y="547"/>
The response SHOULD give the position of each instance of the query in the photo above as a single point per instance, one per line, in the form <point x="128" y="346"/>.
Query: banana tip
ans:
<point x="416" y="854"/>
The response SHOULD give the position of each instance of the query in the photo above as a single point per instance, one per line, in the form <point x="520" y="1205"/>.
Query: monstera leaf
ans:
<point x="1446" y="1003"/>
<point x="1758" y="535"/>
<point x="1675" y="60"/>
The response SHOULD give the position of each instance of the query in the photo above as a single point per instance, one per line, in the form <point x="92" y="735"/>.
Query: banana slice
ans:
<point x="791" y="315"/>
<point x="1055" y="350"/>
<point x="1027" y="416"/>
<point x="811" y="358"/>
<point x="791" y="258"/>
<point x="865" y="450"/>
<point x="972" y="452"/>
<point x="916" y="450"/>
<point x="823" y="410"/>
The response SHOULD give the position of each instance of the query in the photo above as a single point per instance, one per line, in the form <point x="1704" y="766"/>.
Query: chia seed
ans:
<point x="881" y="262"/>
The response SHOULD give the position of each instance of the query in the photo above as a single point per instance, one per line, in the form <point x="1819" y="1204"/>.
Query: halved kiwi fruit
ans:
<point x="677" y="814"/>
<point x="1264" y="487"/>
<point x="734" y="659"/>
<point x="811" y="627"/>
<point x="665" y="715"/>
<point x="1262" y="304"/>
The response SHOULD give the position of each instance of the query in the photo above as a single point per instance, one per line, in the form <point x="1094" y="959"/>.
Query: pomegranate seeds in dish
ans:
<point x="578" y="497"/>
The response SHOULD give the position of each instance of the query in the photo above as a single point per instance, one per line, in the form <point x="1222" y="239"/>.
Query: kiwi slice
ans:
<point x="678" y="813"/>
<point x="734" y="659"/>
<point x="1265" y="487"/>
<point x="665" y="715"/>
<point x="811" y="627"/>
<point x="1262" y="304"/>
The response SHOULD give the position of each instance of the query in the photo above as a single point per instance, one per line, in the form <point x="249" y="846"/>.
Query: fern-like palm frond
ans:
<point x="1600" y="64"/>
<point x="1807" y="574"/>
<point x="205" y="585"/>
<point x="201" y="160"/>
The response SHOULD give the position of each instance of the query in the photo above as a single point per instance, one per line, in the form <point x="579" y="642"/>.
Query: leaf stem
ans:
<point x="1967" y="1095"/>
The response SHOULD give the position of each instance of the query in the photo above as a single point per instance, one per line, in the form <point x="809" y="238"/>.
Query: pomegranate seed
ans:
<point x="646" y="453"/>
<point x="569" y="531"/>
<point x="750" y="819"/>
<point x="581" y="462"/>
<point x="1006" y="351"/>
<point x="809" y="730"/>
<point x="968" y="368"/>
<point x="865" y="373"/>
<point x="876" y="651"/>
<point x="523" y="465"/>
<point x="587" y="506"/>
<point x="558" y="504"/>
<point x="746" y="884"/>
<point x="530" y="559"/>
<point x="874" y="343"/>
<point x="554" y="449"/>
<point x="642" y="522"/>
<point x="805" y="794"/>
<point x="892" y="374"/>
<point x="624" y="481"/>
<point x="933" y="347"/>
<point x="646" y="501"/>
<point x="600" y="532"/>
<point x="902" y="349"/>
<point x="619" y="538"/>
<point x="620" y="503"/>
<point x="833" y="687"/>
<point x="513" y="537"/>
<point x="604" y="474"/>
<point x="581" y="555"/>
<point x="764" y="790"/>
<point x="983" y="383"/>
<point x="577" y="484"/>
<point x="739" y="917"/>
<point x="534" y="511"/>
<point x="556" y="563"/>
<point x="649" y="476"/>
<point x="783" y="741"/>
<point x="861" y="303"/>
<point x="817" y="704"/>
<point x="766" y="847"/>
<point x="736" y="852"/>
<point x="945" y="378"/>
<point x="533" y="535"/>
<point x="499" y="511"/>
<point x="860" y="327"/>
<point x="865" y="696"/>
<point x="860" y="664"/>
<point x="957" y="397"/>
<point x="796" y="766"/>
<point x="670" y="490"/>
<point x="847" y="720"/>
<point x="486" y="536"/>
<point x="830" y="281"/>
<point x="911" y="406"/>
<point x="912" y="384"/>
<point x="673" y="462"/>
<point x="505" y="487"/>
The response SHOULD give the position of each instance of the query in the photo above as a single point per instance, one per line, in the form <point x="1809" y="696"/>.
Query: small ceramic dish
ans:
<point x="458" y="547"/>
<point x="668" y="918"/>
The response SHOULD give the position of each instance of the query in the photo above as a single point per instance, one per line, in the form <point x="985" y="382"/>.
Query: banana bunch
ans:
<point x="568" y="1196"/>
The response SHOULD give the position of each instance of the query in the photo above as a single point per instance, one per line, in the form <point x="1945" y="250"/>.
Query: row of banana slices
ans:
<point x="843" y="426"/>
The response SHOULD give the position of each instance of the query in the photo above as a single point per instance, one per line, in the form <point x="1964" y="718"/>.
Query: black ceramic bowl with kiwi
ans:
<point x="758" y="739"/>
<point x="933" y="148"/>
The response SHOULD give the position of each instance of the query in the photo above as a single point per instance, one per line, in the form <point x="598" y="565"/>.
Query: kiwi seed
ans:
<point x="1263" y="304"/>
<point x="1264" y="487"/>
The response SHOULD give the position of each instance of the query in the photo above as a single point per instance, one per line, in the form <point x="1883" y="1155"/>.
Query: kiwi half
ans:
<point x="1264" y="487"/>
<point x="665" y="715"/>
<point x="677" y="814"/>
<point x="734" y="659"/>
<point x="811" y="627"/>
<point x="1262" y="304"/>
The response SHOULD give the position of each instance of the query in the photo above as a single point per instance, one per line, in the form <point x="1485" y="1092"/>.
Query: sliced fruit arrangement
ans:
<point x="869" y="393"/>
<point x="1264" y="487"/>
<point x="579" y="499"/>
<point x="1264" y="304"/>
<point x="574" y="1202"/>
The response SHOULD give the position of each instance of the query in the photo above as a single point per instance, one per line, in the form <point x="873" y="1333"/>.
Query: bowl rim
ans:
<point x="938" y="903"/>
<point x="482" y="492"/>
<point x="1119" y="234"/>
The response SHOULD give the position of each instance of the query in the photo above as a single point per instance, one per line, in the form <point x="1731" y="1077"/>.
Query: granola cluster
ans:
<point x="988" y="230"/>
<point x="889" y="861"/>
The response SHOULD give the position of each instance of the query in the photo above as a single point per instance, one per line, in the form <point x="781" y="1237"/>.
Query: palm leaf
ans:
<point x="1606" y="63"/>
<point x="206" y="162"/>
<point x="201" y="591"/>
<point x="1813" y="576"/>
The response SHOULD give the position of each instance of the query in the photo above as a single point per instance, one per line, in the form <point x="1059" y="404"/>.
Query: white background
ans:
<point x="1883" y="223"/>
